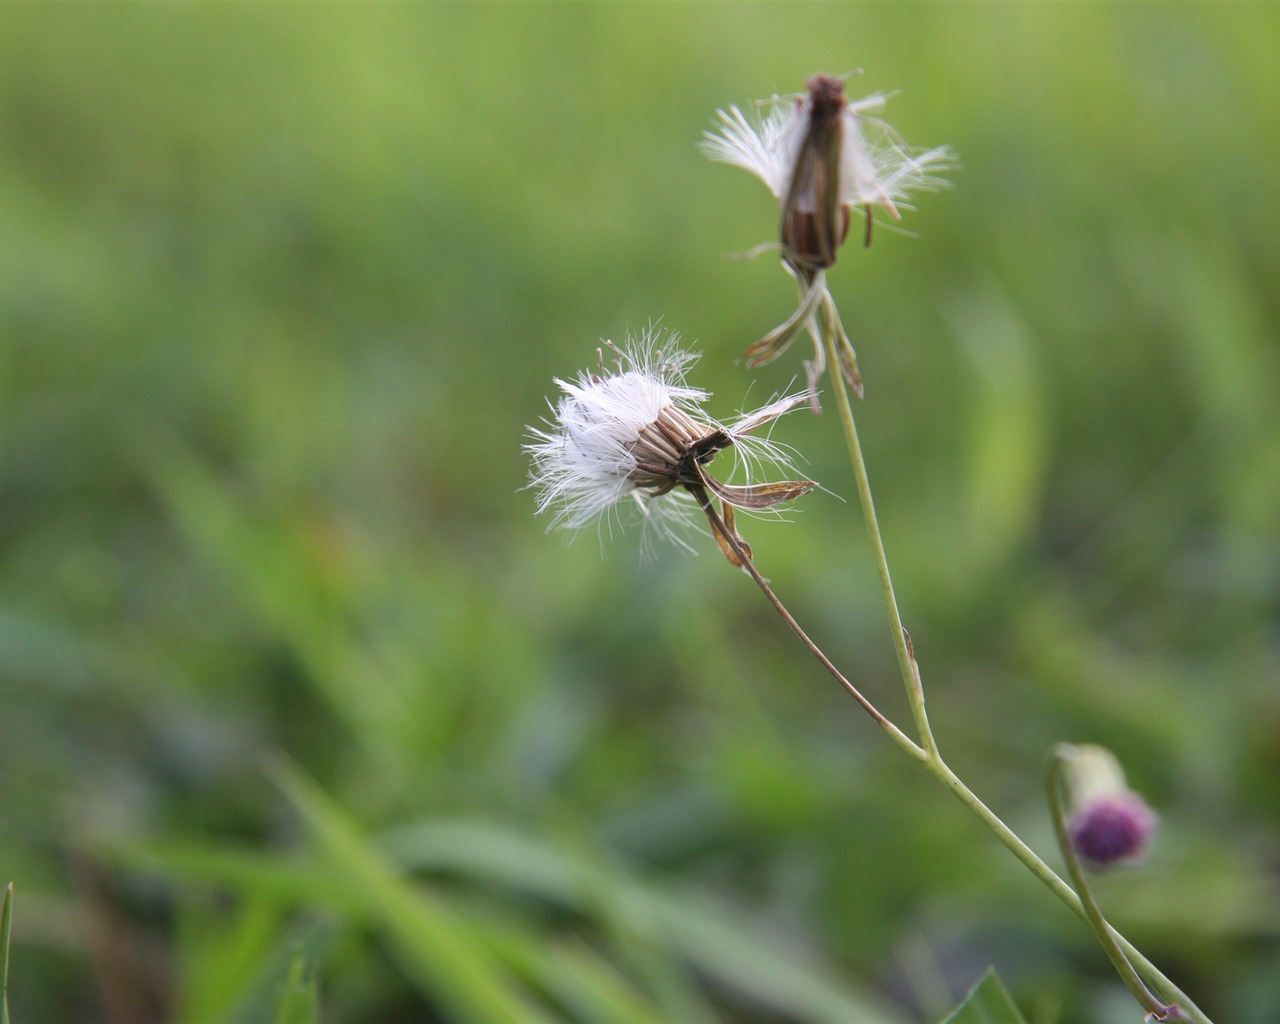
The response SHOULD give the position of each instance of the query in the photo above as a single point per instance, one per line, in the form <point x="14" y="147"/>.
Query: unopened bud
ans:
<point x="1109" y="824"/>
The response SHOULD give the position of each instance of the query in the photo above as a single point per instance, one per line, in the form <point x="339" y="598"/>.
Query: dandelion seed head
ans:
<point x="584" y="460"/>
<point x="636" y="437"/>
<point x="876" y="166"/>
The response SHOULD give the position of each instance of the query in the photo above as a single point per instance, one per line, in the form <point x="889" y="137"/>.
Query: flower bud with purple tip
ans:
<point x="1109" y="824"/>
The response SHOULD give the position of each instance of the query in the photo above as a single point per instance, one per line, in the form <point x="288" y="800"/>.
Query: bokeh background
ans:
<point x="298" y="701"/>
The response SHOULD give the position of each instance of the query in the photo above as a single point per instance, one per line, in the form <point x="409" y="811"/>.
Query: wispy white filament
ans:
<point x="583" y="458"/>
<point x="875" y="165"/>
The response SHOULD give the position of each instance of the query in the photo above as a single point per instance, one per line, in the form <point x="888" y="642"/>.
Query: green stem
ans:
<point x="1167" y="990"/>
<point x="1059" y="759"/>
<point x="6" y="921"/>
<point x="909" y="669"/>
<point x="906" y="661"/>
<point x="730" y="537"/>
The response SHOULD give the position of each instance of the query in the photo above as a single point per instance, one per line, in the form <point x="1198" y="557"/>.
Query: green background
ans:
<point x="289" y="672"/>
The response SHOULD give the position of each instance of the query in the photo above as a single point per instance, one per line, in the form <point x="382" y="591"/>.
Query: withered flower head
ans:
<point x="637" y="432"/>
<point x="820" y="156"/>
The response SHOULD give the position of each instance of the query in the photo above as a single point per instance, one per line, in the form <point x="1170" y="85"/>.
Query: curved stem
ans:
<point x="1051" y="880"/>
<point x="934" y="764"/>
<point x="1059" y="759"/>
<point x="906" y="659"/>
<point x="730" y="537"/>
<point x="6" y="920"/>
<point x="932" y="760"/>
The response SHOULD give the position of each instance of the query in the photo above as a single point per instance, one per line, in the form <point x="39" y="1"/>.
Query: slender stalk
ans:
<point x="6" y="921"/>
<point x="1061" y="756"/>
<point x="932" y="761"/>
<point x="731" y="538"/>
<point x="906" y="661"/>
<point x="1051" y="880"/>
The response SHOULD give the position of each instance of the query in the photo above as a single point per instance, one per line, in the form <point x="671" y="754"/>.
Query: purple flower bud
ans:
<point x="1112" y="828"/>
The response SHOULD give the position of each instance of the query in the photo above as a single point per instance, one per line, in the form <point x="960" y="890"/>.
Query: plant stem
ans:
<point x="906" y="660"/>
<point x="932" y="761"/>
<point x="1166" y="988"/>
<point x="1061" y="756"/>
<point x="6" y="921"/>
<point x="744" y="556"/>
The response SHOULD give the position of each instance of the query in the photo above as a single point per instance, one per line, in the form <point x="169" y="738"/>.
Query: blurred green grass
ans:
<point x="283" y="284"/>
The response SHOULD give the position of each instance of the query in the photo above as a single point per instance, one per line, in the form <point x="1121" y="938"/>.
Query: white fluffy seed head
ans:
<point x="584" y="461"/>
<point x="584" y="458"/>
<point x="876" y="167"/>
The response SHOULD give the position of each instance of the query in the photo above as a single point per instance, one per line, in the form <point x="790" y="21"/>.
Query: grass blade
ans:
<point x="5" y="921"/>
<point x="988" y="1002"/>
<point x="441" y="954"/>
<point x="300" y="1000"/>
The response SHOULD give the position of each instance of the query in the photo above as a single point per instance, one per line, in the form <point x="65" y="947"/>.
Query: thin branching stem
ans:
<point x="703" y="498"/>
<point x="1051" y="880"/>
<point x="906" y="659"/>
<point x="6" y="921"/>
<point x="932" y="759"/>
<point x="1059" y="759"/>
